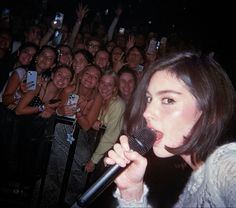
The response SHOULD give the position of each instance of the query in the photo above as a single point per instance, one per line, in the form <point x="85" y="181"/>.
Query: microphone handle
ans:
<point x="100" y="185"/>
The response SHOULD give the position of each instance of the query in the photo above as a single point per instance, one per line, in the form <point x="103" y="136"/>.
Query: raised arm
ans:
<point x="81" y="13"/>
<point x="113" y="24"/>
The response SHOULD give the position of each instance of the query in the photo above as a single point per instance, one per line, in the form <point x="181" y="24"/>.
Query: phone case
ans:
<point x="31" y="79"/>
<point x="152" y="46"/>
<point x="59" y="19"/>
<point x="73" y="99"/>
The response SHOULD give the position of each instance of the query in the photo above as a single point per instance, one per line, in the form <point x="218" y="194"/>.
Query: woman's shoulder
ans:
<point x="69" y="89"/>
<point x="21" y="71"/>
<point x="223" y="159"/>
<point x="116" y="105"/>
<point x="226" y="149"/>
<point x="118" y="102"/>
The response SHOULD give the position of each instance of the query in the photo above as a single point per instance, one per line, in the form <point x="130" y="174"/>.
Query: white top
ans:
<point x="211" y="185"/>
<point x="21" y="72"/>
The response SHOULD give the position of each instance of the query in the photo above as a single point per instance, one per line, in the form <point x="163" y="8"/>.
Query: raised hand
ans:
<point x="81" y="11"/>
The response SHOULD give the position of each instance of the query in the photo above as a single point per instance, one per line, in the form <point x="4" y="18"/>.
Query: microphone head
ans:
<point x="142" y="140"/>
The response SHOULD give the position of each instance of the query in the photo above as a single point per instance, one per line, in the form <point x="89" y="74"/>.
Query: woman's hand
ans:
<point x="81" y="12"/>
<point x="97" y="125"/>
<point x="130" y="181"/>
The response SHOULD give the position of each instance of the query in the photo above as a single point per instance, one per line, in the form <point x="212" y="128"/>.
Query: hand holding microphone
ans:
<point x="125" y="161"/>
<point x="122" y="155"/>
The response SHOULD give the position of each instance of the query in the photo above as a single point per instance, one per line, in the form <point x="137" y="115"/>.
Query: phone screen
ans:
<point x="122" y="30"/>
<point x="31" y="80"/>
<point x="58" y="20"/>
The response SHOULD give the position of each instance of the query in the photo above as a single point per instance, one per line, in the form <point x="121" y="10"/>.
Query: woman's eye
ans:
<point x="167" y="101"/>
<point x="149" y="99"/>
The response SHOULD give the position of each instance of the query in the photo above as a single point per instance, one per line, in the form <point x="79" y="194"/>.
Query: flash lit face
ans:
<point x="126" y="85"/>
<point x="107" y="86"/>
<point x="26" y="55"/>
<point x="62" y="77"/>
<point x="79" y="63"/>
<point x="171" y="111"/>
<point x="45" y="60"/>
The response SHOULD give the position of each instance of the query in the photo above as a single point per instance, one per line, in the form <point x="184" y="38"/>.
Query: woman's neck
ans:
<point x="85" y="92"/>
<point x="52" y="87"/>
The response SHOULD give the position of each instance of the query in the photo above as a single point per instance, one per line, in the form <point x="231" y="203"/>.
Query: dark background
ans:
<point x="208" y="24"/>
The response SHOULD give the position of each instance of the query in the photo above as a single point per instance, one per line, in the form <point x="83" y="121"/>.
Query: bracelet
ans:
<point x="41" y="108"/>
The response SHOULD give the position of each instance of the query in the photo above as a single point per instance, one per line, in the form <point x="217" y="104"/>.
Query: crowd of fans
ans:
<point x="102" y="65"/>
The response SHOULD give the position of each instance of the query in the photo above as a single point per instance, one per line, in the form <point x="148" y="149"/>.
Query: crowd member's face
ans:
<point x="65" y="56"/>
<point x="102" y="59"/>
<point x="61" y="78"/>
<point x="45" y="60"/>
<point x="79" y="63"/>
<point x="107" y="86"/>
<point x="171" y="111"/>
<point x="34" y="35"/>
<point x="151" y="56"/>
<point x="134" y="58"/>
<point x="90" y="77"/>
<point x="120" y="41"/>
<point x="26" y="55"/>
<point x="93" y="46"/>
<point x="126" y="85"/>
<point x="116" y="55"/>
<point x="110" y="46"/>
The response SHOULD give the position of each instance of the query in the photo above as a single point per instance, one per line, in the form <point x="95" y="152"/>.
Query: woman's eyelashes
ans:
<point x="167" y="101"/>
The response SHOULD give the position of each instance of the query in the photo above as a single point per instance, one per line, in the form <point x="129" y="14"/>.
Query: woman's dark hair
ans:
<point x="28" y="45"/>
<point x="87" y="55"/>
<point x="56" y="68"/>
<point x="32" y="64"/>
<point x="214" y="94"/>
<point x="50" y="48"/>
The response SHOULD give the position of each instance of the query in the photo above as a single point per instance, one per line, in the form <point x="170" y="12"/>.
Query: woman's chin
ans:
<point x="161" y="152"/>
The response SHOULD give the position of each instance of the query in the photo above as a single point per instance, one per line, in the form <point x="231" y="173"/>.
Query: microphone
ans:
<point x="141" y="142"/>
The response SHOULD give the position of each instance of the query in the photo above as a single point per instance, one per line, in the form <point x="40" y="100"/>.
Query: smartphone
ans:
<point x="58" y="20"/>
<point x="122" y="31"/>
<point x="73" y="99"/>
<point x="57" y="38"/>
<point x="31" y="80"/>
<point x="152" y="46"/>
<point x="140" y="68"/>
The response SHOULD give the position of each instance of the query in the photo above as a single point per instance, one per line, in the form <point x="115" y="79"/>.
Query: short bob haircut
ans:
<point x="214" y="93"/>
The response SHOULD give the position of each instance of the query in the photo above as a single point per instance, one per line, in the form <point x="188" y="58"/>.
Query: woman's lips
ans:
<point x="159" y="134"/>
